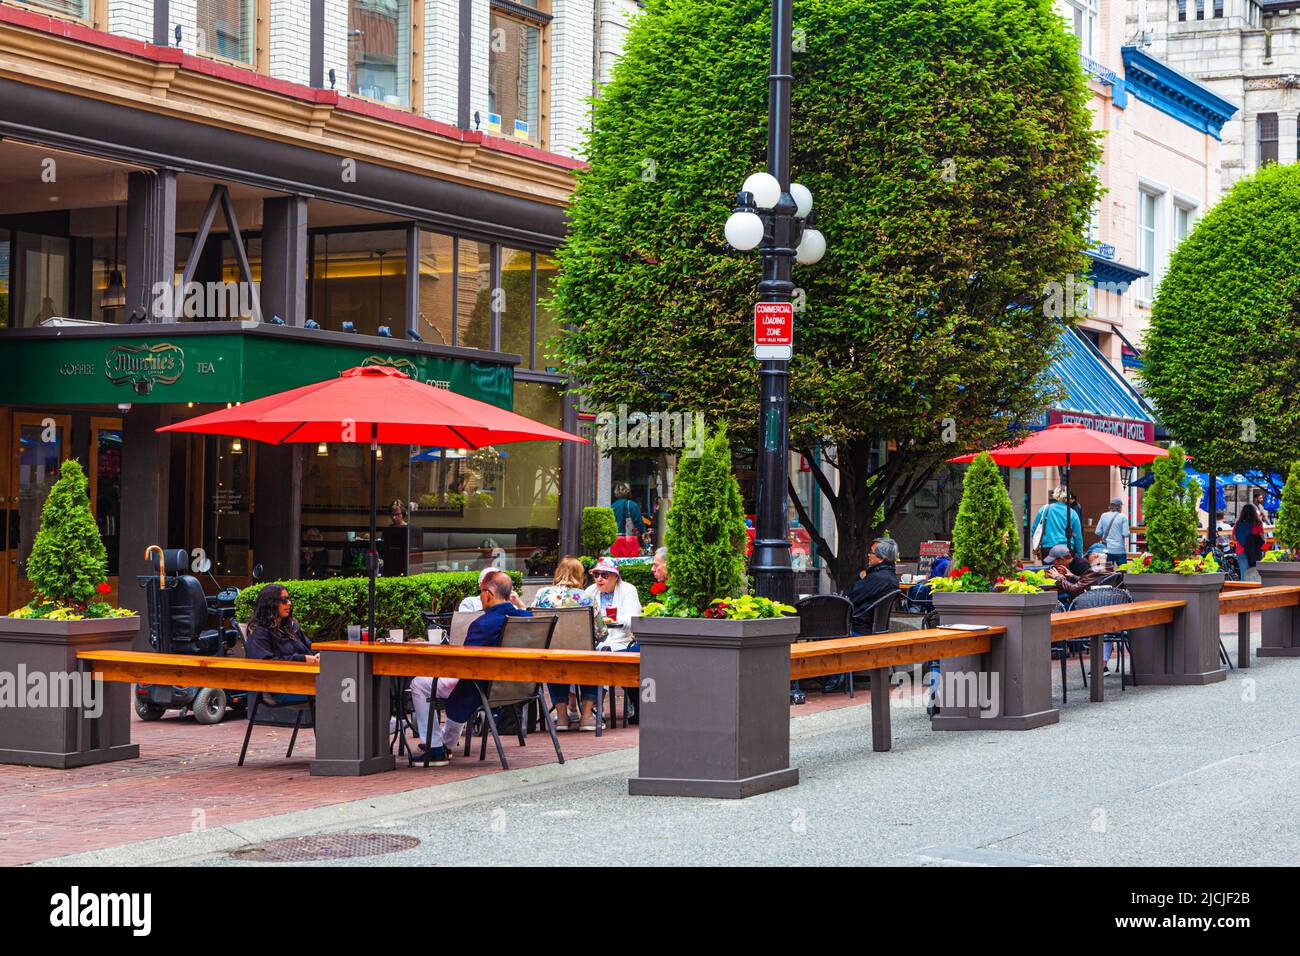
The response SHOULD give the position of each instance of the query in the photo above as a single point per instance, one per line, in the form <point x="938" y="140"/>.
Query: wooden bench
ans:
<point x="1096" y="622"/>
<point x="184" y="670"/>
<point x="1244" y="600"/>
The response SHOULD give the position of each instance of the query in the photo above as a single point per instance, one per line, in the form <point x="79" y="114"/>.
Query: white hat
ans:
<point x="607" y="565"/>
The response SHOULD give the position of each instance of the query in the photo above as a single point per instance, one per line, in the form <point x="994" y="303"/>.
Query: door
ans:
<point x="105" y="474"/>
<point x="38" y="446"/>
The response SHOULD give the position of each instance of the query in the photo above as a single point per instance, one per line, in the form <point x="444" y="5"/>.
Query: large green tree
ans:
<point x="949" y="149"/>
<point x="1222" y="355"/>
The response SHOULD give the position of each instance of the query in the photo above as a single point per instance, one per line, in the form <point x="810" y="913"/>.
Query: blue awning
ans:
<point x="1095" y="393"/>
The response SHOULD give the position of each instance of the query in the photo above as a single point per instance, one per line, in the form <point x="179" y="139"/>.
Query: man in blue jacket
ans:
<point x="499" y="603"/>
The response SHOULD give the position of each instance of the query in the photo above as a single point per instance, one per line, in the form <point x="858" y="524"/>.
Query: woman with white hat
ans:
<point x="616" y="601"/>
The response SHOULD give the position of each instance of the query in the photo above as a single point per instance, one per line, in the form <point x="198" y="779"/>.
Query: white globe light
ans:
<point x="765" y="189"/>
<point x="744" y="230"/>
<point x="802" y="200"/>
<point x="811" y="248"/>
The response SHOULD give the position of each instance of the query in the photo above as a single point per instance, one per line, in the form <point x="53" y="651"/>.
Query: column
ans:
<point x="284" y="259"/>
<point x="1286" y="138"/>
<point x="572" y="37"/>
<point x="150" y="244"/>
<point x="146" y="480"/>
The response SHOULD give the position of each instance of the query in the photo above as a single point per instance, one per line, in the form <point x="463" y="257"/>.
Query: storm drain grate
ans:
<point x="328" y="846"/>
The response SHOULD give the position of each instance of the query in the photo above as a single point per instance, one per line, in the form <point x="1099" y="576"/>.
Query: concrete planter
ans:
<point x="1186" y="652"/>
<point x="715" y="707"/>
<point x="1012" y="683"/>
<point x="55" y="719"/>
<point x="1279" y="626"/>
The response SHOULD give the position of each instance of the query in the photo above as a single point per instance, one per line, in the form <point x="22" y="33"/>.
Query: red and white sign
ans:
<point x="1124" y="427"/>
<point x="928" y="552"/>
<point x="773" y="330"/>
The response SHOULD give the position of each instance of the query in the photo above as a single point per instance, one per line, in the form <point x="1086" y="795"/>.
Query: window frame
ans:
<point x="541" y="18"/>
<point x="1260" y="141"/>
<point x="1147" y="285"/>
<point x="96" y="15"/>
<point x="414" y="66"/>
<point x="1089" y="13"/>
<point x="261" y="41"/>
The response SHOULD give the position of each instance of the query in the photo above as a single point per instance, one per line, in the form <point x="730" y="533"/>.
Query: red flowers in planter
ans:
<point x="658" y="587"/>
<point x="103" y="588"/>
<point x="1147" y="559"/>
<point x="715" y="611"/>
<point x="957" y="572"/>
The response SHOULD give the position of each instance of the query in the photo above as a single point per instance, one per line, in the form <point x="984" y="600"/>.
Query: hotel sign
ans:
<point x="1123" y="427"/>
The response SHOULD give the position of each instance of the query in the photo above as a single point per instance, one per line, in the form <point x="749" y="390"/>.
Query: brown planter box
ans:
<point x="715" y="707"/>
<point x="1186" y="652"/>
<point x="1279" y="626"/>
<point x="1014" y="679"/>
<point x="60" y="733"/>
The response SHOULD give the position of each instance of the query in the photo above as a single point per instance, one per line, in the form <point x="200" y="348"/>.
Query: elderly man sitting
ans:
<point x="1072" y="577"/>
<point x="874" y="582"/>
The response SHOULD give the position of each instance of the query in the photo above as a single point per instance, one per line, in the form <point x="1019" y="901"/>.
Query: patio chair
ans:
<point x="575" y="630"/>
<point x="302" y="707"/>
<point x="522" y="632"/>
<point x="823" y="617"/>
<point x="1102" y="596"/>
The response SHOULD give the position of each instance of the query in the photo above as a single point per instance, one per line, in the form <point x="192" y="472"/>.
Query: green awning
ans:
<point x="221" y="362"/>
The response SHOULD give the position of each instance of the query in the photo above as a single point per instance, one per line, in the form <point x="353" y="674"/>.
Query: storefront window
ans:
<point x="43" y="266"/>
<point x="434" y="314"/>
<point x="5" y="246"/>
<point x="514" y="76"/>
<point x="517" y="302"/>
<point x="68" y="8"/>
<point x="474" y="294"/>
<point x="225" y="27"/>
<point x="107" y="456"/>
<point x="336" y="509"/>
<point x="227" y="488"/>
<point x="548" y="322"/>
<point x="360" y="277"/>
<point x="379" y="50"/>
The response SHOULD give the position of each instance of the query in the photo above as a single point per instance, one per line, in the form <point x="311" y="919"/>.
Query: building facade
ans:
<point x="207" y="201"/>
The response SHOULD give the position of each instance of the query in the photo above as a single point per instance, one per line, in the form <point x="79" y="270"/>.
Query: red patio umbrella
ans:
<point x="373" y="404"/>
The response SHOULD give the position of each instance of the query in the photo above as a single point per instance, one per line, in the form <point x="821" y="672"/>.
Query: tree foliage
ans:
<point x="68" y="561"/>
<point x="1222" y="354"/>
<point x="706" y="528"/>
<point x="1287" y="529"/>
<point x="984" y="537"/>
<point x="1170" y="508"/>
<point x="949" y="149"/>
<point x="598" y="530"/>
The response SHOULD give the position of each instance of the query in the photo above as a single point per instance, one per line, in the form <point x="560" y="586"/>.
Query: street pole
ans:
<point x="770" y="561"/>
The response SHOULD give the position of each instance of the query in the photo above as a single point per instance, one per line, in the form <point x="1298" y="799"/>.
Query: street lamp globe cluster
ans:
<point x="757" y="206"/>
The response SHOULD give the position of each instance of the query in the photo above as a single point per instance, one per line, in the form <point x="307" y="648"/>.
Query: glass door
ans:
<point x="106" y="490"/>
<point x="38" y="444"/>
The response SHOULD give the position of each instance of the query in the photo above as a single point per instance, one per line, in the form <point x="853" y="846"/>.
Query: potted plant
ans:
<point x="1280" y="627"/>
<point x="1187" y="652"/>
<point x="1012" y="684"/>
<point x="715" y="661"/>
<point x="53" y="724"/>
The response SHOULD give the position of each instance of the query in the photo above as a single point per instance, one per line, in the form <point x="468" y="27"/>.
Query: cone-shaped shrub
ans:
<point x="1287" y="529"/>
<point x="1170" y="510"/>
<point x="599" y="530"/>
<point x="706" y="528"/>
<point x="984" y="537"/>
<point x="68" y="560"/>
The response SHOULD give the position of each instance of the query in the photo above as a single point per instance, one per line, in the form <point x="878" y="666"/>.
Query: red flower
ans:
<point x="954" y="572"/>
<point x="103" y="588"/>
<point x="658" y="588"/>
<point x="1147" y="559"/>
<point x="999" y="580"/>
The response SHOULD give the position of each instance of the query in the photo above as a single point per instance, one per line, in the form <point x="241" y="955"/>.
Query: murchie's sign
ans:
<point x="144" y="366"/>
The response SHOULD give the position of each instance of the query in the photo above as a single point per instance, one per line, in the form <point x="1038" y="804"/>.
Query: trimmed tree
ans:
<point x="1286" y="532"/>
<point x="1170" y="509"/>
<point x="706" y="528"/>
<point x="598" y="530"/>
<point x="68" y="561"/>
<point x="1222" y="353"/>
<point x="950" y="150"/>
<point x="984" y="537"/>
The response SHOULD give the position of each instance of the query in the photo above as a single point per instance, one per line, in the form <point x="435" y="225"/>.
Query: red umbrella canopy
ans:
<point x="1070" y="443"/>
<point x="372" y="398"/>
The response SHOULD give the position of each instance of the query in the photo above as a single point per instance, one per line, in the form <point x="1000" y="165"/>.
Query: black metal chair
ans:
<point x="302" y="707"/>
<point x="1103" y="596"/>
<point x="823" y="617"/>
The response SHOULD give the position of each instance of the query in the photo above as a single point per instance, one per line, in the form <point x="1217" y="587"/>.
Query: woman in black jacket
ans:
<point x="1248" y="533"/>
<point x="273" y="634"/>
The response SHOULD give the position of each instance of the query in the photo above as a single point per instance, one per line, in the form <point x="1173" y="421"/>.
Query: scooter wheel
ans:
<point x="209" y="705"/>
<point x="147" y="711"/>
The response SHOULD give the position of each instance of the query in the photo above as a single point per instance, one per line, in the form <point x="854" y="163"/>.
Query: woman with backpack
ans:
<point x="1056" y="523"/>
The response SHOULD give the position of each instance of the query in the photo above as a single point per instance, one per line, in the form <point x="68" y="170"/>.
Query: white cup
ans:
<point x="396" y="635"/>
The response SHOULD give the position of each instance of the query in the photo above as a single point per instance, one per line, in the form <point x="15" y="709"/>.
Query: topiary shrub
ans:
<point x="1173" y="533"/>
<point x="984" y="537"/>
<point x="1287" y="530"/>
<point x="68" y="561"/>
<point x="599" y="530"/>
<point x="325" y="608"/>
<point x="706" y="528"/>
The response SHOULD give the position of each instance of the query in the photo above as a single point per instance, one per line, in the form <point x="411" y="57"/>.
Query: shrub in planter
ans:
<point x="599" y="530"/>
<point x="68" y="565"/>
<point x="1287" y="530"/>
<point x="325" y="608"/>
<point x="1173" y="535"/>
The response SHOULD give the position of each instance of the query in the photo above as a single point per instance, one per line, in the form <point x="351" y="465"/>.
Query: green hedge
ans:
<point x="325" y="608"/>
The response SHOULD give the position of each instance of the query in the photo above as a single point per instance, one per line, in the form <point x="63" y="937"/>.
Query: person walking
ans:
<point x="1060" y="525"/>
<point x="1112" y="530"/>
<point x="1248" y="536"/>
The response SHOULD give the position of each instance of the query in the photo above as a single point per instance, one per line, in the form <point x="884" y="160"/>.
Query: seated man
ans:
<point x="499" y="602"/>
<point x="474" y="602"/>
<point x="878" y="579"/>
<point x="1072" y="578"/>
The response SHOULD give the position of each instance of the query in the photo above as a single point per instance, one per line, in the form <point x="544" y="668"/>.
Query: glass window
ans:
<point x="5" y="246"/>
<point x="474" y="294"/>
<point x="107" y="457"/>
<point x="379" y="50"/>
<point x="227" y="527"/>
<point x="514" y="78"/>
<point x="548" y="322"/>
<point x="1267" y="123"/>
<point x="336" y="509"/>
<point x="43" y="262"/>
<point x="1083" y="13"/>
<point x="360" y="277"/>
<point x="434" y="314"/>
<point x="1182" y="222"/>
<point x="225" y="27"/>
<point x="68" y="8"/>
<point x="517" y="303"/>
<point x="1147" y="243"/>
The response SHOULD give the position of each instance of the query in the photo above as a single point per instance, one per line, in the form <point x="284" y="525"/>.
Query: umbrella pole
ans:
<point x="372" y="559"/>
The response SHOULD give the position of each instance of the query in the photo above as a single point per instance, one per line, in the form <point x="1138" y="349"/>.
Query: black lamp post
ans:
<point x="775" y="216"/>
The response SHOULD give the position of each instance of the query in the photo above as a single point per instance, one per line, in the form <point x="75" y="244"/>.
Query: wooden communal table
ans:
<point x="230" y="673"/>
<point x="496" y="663"/>
<point x="1243" y="600"/>
<point x="1094" y="623"/>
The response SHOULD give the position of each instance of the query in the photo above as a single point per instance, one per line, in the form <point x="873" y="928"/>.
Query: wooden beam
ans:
<point x="1241" y="602"/>
<point x="845" y="654"/>
<point x="1069" y="625"/>
<point x="233" y="673"/>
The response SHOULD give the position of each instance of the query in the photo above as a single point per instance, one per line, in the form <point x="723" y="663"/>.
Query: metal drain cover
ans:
<point x="327" y="846"/>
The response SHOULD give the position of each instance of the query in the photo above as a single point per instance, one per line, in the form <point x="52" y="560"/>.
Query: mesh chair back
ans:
<point x="1113" y="580"/>
<point x="460" y="622"/>
<point x="824" y="615"/>
<point x="881" y="611"/>
<point x="530" y="632"/>
<point x="1098" y="596"/>
<point x="575" y="628"/>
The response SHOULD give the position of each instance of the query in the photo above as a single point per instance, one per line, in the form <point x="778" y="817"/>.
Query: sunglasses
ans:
<point x="602" y="574"/>
<point x="285" y="600"/>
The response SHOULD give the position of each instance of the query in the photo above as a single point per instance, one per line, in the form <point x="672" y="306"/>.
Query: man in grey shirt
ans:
<point x="1112" y="529"/>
